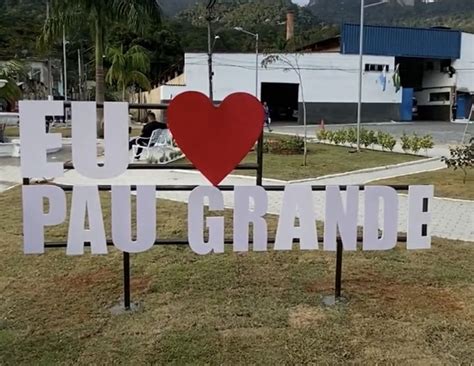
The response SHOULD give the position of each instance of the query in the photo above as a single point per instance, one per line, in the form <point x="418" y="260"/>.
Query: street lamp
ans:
<point x="64" y="63"/>
<point x="361" y="62"/>
<point x="240" y="29"/>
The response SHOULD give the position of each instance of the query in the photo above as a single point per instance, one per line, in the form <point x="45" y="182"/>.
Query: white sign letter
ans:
<point x="196" y="221"/>
<point x="243" y="216"/>
<point x="122" y="218"/>
<point x="86" y="201"/>
<point x="389" y="196"/>
<point x="419" y="217"/>
<point x="35" y="141"/>
<point x="297" y="204"/>
<point x="337" y="217"/>
<point x="84" y="139"/>
<point x="34" y="217"/>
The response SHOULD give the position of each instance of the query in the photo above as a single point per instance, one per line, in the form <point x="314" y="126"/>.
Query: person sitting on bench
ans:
<point x="147" y="131"/>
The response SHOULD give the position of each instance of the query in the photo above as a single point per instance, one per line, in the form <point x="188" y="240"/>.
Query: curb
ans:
<point x="368" y="170"/>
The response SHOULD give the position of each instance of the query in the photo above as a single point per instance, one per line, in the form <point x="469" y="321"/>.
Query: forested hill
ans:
<point x="458" y="14"/>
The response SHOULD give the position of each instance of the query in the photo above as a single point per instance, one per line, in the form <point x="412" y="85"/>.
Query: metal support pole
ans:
<point x="209" y="55"/>
<point x="361" y="64"/>
<point x="260" y="160"/>
<point x="338" y="285"/>
<point x="126" y="281"/>
<point x="256" y="67"/>
<point x="79" y="65"/>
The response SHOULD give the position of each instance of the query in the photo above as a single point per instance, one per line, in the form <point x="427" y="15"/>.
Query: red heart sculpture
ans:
<point x="215" y="139"/>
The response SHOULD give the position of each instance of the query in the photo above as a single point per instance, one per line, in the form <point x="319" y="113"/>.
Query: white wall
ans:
<point x="423" y="96"/>
<point x="436" y="79"/>
<point x="327" y="77"/>
<point x="465" y="65"/>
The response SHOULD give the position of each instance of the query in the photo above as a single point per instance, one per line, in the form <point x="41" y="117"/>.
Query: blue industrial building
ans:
<point x="435" y="65"/>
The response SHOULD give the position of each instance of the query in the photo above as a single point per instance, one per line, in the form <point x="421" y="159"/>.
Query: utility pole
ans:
<point x="79" y="63"/>
<point x="64" y="63"/>
<point x="50" y="68"/>
<point x="209" y="18"/>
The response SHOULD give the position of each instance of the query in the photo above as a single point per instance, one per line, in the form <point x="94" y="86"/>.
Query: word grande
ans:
<point x="86" y="224"/>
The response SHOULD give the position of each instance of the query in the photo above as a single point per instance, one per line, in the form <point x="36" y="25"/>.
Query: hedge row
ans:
<point x="370" y="138"/>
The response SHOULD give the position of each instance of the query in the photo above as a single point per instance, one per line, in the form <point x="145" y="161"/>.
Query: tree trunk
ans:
<point x="99" y="75"/>
<point x="305" y="124"/>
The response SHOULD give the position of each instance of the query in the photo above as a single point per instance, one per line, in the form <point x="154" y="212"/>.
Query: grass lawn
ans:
<point x="323" y="160"/>
<point x="403" y="307"/>
<point x="447" y="182"/>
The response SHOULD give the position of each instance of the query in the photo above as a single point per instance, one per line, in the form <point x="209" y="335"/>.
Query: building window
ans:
<point x="376" y="68"/>
<point x="440" y="97"/>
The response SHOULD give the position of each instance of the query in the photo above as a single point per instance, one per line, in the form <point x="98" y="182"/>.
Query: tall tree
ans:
<point x="65" y="15"/>
<point x="10" y="73"/>
<point x="128" y="68"/>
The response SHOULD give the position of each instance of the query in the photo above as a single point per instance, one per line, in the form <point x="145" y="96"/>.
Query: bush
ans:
<point x="406" y="142"/>
<point x="322" y="135"/>
<point x="367" y="137"/>
<point x="352" y="136"/>
<point x="340" y="137"/>
<point x="386" y="141"/>
<point x="415" y="144"/>
<point x="286" y="145"/>
<point x="427" y="143"/>
<point x="462" y="157"/>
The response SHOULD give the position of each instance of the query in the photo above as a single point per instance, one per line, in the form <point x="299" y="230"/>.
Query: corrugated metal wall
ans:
<point x="402" y="42"/>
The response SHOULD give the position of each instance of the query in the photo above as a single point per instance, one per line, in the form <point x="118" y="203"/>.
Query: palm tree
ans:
<point x="10" y="73"/>
<point x="128" y="68"/>
<point x="99" y="14"/>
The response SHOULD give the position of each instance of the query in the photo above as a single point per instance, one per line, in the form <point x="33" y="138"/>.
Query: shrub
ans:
<point x="340" y="137"/>
<point x="352" y="136"/>
<point x="367" y="137"/>
<point x="415" y="144"/>
<point x="386" y="141"/>
<point x="427" y="143"/>
<point x="322" y="135"/>
<point x="461" y="157"/>
<point x="285" y="145"/>
<point x="330" y="136"/>
<point x="406" y="142"/>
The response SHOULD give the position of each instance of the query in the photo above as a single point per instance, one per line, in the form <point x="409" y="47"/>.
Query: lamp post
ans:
<point x="361" y="63"/>
<point x="210" y="7"/>
<point x="255" y="35"/>
<point x="64" y="63"/>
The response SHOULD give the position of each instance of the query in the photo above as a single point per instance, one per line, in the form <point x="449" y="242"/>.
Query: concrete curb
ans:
<point x="368" y="170"/>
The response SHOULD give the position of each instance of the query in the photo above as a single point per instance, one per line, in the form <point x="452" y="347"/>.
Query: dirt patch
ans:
<point x="303" y="316"/>
<point x="396" y="296"/>
<point x="84" y="281"/>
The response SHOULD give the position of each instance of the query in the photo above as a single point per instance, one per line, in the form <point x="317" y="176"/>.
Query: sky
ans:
<point x="300" y="2"/>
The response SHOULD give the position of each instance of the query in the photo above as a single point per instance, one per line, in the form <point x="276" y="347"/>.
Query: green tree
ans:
<point x="66" y="15"/>
<point x="128" y="68"/>
<point x="10" y="72"/>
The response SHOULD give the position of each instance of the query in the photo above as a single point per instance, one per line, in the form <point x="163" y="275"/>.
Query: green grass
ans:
<point x="403" y="307"/>
<point x="448" y="183"/>
<point x="324" y="160"/>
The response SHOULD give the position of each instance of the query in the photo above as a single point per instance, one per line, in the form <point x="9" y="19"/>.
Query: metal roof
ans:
<point x="403" y="42"/>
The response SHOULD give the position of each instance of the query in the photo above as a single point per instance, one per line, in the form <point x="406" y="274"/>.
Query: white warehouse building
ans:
<point x="435" y="66"/>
